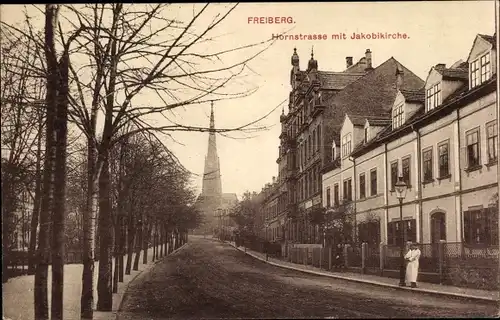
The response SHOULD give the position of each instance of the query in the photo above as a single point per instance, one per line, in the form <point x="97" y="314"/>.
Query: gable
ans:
<point x="433" y="78"/>
<point x="479" y="47"/>
<point x="346" y="125"/>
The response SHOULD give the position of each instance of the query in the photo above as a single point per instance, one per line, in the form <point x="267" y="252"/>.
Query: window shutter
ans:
<point x="390" y="233"/>
<point x="467" y="227"/>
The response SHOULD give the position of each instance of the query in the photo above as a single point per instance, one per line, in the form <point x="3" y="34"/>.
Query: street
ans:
<point x="209" y="279"/>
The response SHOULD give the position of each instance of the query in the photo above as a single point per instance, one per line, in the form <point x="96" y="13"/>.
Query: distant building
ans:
<point x="211" y="198"/>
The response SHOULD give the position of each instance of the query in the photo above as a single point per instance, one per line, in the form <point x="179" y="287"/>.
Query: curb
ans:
<point x="376" y="283"/>
<point x="139" y="273"/>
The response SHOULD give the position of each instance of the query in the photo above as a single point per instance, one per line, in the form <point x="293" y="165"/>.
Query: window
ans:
<point x="348" y="190"/>
<point x="373" y="182"/>
<point x="481" y="226"/>
<point x="472" y="140"/>
<point x="491" y="135"/>
<point x="433" y="97"/>
<point x="427" y="164"/>
<point x="314" y="144"/>
<point x="405" y="167"/>
<point x="369" y="232"/>
<point x="398" y="116"/>
<point x="474" y="73"/>
<point x="346" y="145"/>
<point x="318" y="139"/>
<point x="394" y="174"/>
<point x="394" y="236"/>
<point x="444" y="169"/>
<point x="309" y="147"/>
<point x="328" y="197"/>
<point x="485" y="67"/>
<point x="362" y="186"/>
<point x="336" y="195"/>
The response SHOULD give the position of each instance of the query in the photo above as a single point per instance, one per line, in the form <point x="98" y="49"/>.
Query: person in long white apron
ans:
<point x="412" y="257"/>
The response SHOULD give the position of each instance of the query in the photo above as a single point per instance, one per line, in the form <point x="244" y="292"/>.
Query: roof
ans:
<point x="379" y="122"/>
<point x="454" y="73"/>
<point x="420" y="115"/>
<point x="359" y="66"/>
<point x="490" y="39"/>
<point x="337" y="80"/>
<point x="357" y="120"/>
<point x="372" y="95"/>
<point x="413" y="95"/>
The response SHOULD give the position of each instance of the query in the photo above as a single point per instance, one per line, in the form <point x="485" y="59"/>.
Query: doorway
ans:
<point x="438" y="231"/>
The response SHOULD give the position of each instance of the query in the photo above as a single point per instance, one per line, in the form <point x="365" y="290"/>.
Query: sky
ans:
<point x="437" y="32"/>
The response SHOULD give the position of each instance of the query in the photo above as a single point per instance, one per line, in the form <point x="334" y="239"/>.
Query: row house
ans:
<point x="358" y="114"/>
<point x="302" y="148"/>
<point x="441" y="139"/>
<point x="272" y="227"/>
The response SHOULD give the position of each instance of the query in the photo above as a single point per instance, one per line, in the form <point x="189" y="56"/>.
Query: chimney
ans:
<point x="399" y="77"/>
<point x="368" y="56"/>
<point x="348" y="61"/>
<point x="274" y="180"/>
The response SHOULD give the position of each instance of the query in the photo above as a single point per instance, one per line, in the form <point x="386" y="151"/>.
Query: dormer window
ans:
<point x="433" y="97"/>
<point x="480" y="70"/>
<point x="398" y="116"/>
<point x="346" y="144"/>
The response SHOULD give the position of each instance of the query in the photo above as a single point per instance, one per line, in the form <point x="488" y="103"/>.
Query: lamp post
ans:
<point x="400" y="188"/>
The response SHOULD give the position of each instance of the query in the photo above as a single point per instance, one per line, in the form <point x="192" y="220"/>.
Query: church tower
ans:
<point x="211" y="200"/>
<point x="212" y="186"/>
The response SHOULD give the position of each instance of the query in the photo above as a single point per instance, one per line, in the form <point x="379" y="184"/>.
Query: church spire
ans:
<point x="212" y="185"/>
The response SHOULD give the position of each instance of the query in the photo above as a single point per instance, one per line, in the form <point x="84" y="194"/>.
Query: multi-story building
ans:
<point x="273" y="227"/>
<point x="302" y="148"/>
<point x="441" y="141"/>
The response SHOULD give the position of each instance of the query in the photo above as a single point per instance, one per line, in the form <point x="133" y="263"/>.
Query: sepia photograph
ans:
<point x="320" y="160"/>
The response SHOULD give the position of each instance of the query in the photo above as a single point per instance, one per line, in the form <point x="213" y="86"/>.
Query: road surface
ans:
<point x="208" y="279"/>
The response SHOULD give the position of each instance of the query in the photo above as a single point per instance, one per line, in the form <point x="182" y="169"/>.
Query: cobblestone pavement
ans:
<point x="208" y="279"/>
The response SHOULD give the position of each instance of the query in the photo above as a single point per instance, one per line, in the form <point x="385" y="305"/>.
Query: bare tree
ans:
<point x="21" y="105"/>
<point x="169" y="63"/>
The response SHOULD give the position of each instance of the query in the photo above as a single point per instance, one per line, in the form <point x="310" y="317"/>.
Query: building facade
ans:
<point x="442" y="142"/>
<point x="302" y="148"/>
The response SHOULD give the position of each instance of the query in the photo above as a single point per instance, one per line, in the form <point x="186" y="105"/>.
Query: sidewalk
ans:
<point x="18" y="298"/>
<point x="430" y="288"/>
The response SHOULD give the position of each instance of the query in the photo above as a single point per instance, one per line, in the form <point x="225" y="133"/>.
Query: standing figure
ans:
<point x="412" y="264"/>
<point x="339" y="255"/>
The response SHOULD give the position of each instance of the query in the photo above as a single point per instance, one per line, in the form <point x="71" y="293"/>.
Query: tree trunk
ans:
<point x="154" y="244"/>
<point x="104" y="288"/>
<point x="116" y="253"/>
<point x="145" y="245"/>
<point x="89" y="216"/>
<point x="58" y="239"/>
<point x="130" y="243"/>
<point x="41" y="274"/>
<point x="138" y="248"/>
<point x="123" y="238"/>
<point x="36" y="203"/>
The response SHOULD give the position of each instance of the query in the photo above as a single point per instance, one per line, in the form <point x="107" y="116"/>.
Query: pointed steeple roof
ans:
<point x="212" y="185"/>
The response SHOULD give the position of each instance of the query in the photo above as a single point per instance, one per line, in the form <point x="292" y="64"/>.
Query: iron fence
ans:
<point x="354" y="255"/>
<point x="372" y="258"/>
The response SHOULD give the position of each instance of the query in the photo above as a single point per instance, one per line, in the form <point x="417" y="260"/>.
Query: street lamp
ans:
<point x="400" y="188"/>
